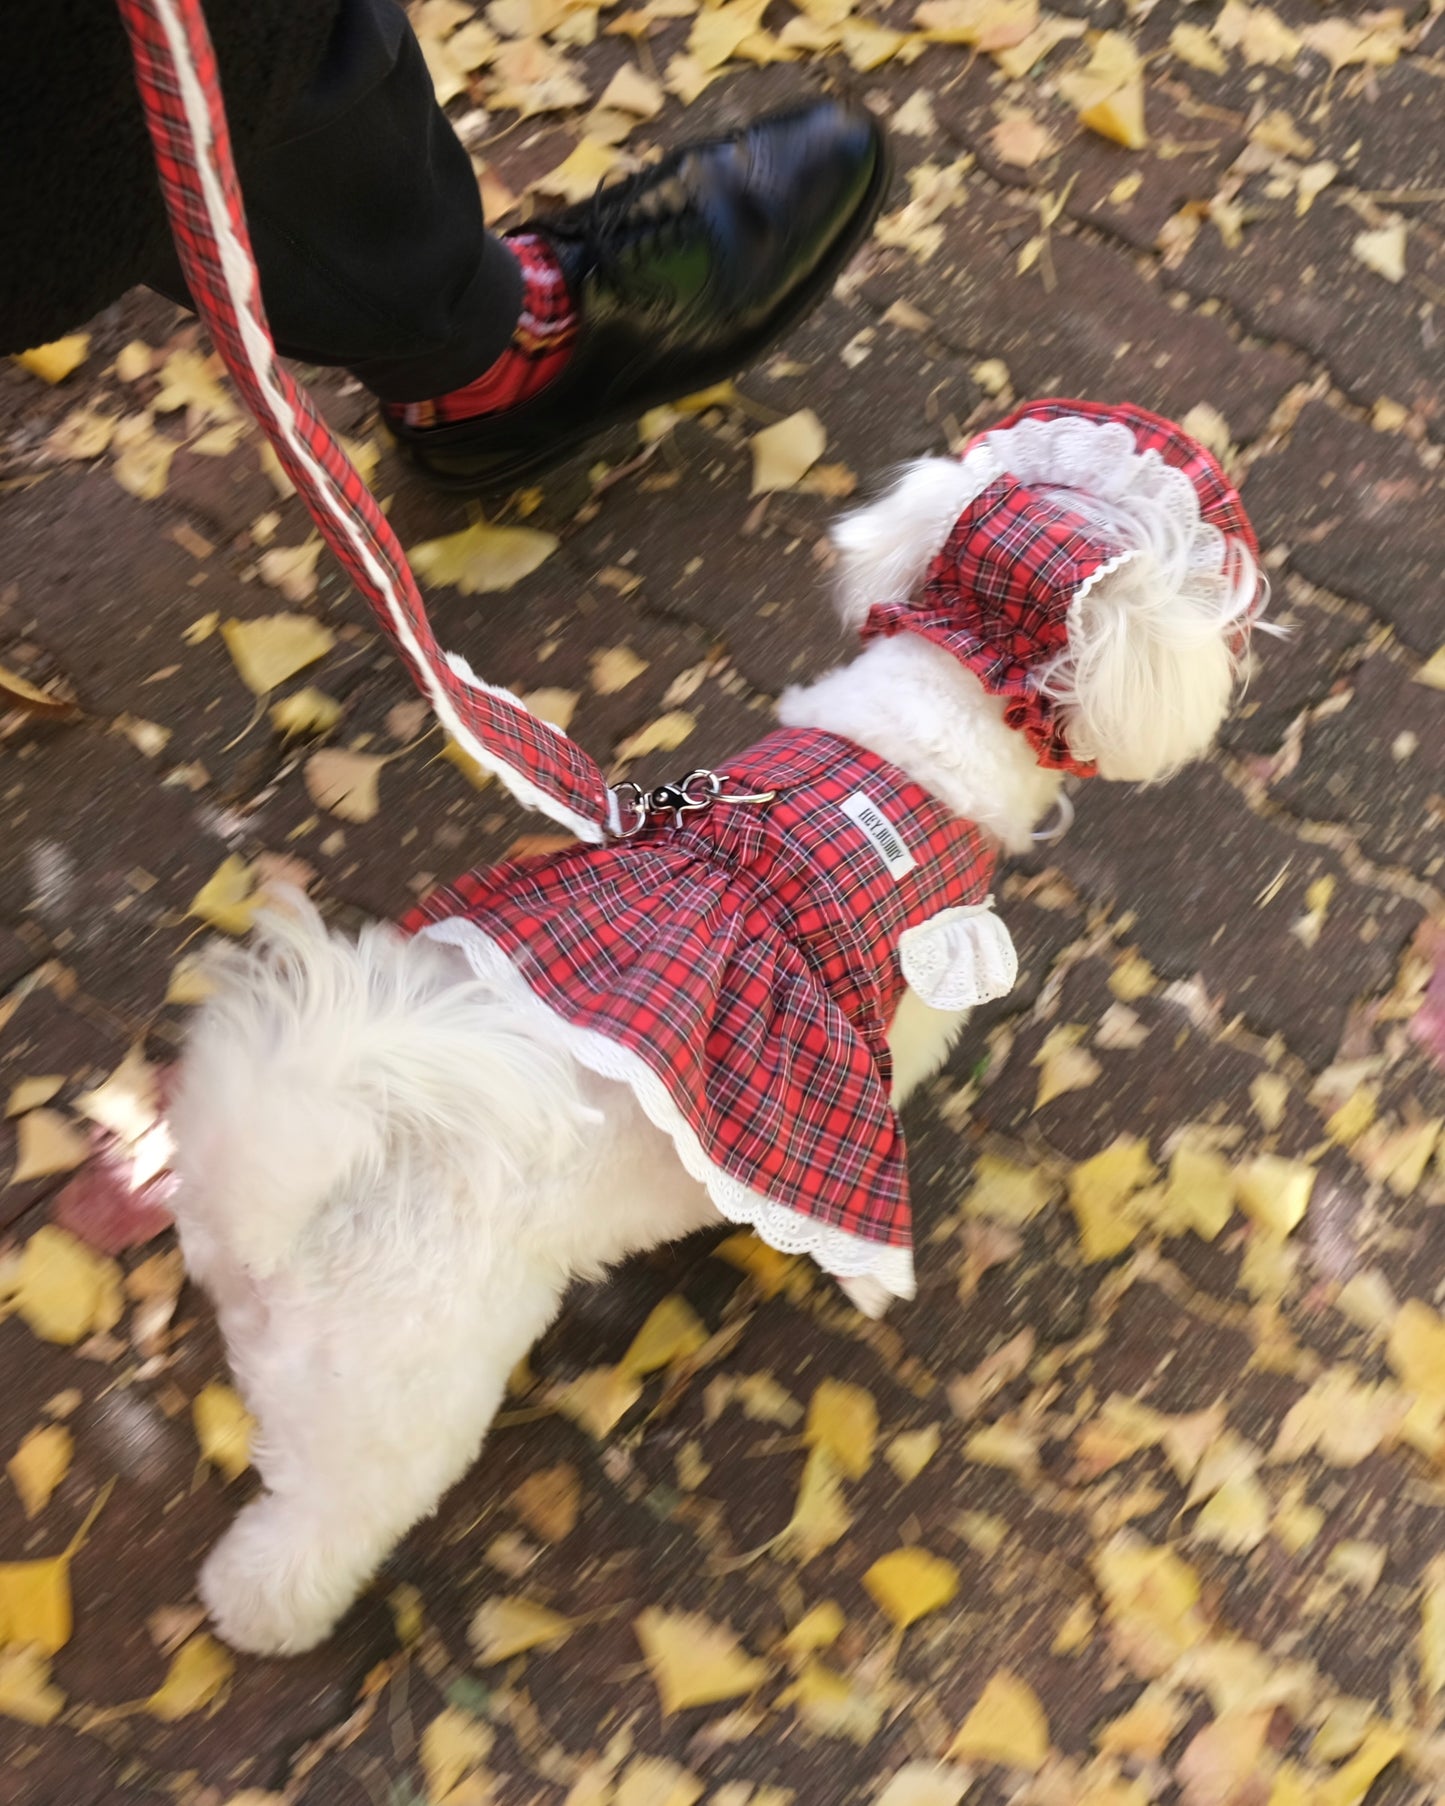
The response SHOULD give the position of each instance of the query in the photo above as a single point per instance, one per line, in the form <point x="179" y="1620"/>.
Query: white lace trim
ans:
<point x="959" y="958"/>
<point x="846" y="1257"/>
<point x="1100" y="460"/>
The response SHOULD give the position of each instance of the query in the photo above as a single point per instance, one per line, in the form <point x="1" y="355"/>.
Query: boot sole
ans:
<point x="562" y="450"/>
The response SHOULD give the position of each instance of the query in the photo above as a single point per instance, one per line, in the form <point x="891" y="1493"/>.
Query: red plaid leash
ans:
<point x="176" y="73"/>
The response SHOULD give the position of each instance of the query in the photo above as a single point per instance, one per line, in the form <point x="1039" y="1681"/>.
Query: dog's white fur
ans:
<point x="390" y="1176"/>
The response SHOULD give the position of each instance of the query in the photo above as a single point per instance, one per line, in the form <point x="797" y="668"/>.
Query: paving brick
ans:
<point x="1361" y="513"/>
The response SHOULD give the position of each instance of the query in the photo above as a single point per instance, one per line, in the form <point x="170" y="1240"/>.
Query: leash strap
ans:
<point x="180" y="91"/>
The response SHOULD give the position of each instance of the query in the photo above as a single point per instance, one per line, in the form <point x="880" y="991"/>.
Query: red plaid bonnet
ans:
<point x="998" y="594"/>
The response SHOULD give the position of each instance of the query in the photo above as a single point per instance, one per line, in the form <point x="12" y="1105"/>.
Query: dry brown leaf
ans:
<point x="843" y="1420"/>
<point x="1018" y="138"/>
<point x="229" y="899"/>
<point x="482" y="559"/>
<point x="504" y="1628"/>
<point x="693" y="1661"/>
<point x="1007" y="1726"/>
<point x="783" y="454"/>
<point x="910" y="1583"/>
<point x="268" y="650"/>
<point x="223" y="1429"/>
<point x="52" y="363"/>
<point x="39" y="1465"/>
<point x="344" y="783"/>
<point x="549" y="1501"/>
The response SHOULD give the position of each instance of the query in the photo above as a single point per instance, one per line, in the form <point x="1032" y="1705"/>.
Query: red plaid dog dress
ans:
<point x="741" y="970"/>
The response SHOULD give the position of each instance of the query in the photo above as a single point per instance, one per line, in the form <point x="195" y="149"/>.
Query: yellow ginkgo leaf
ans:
<point x="1004" y="1192"/>
<point x="1199" y="1195"/>
<point x="453" y="1746"/>
<point x="308" y="711"/>
<point x="46" y="1143"/>
<point x="574" y="179"/>
<point x="223" y="1429"/>
<point x="615" y="668"/>
<point x="1151" y="1600"/>
<point x="1007" y="1726"/>
<point x="26" y="1692"/>
<point x="817" y="1629"/>
<point x="508" y="1627"/>
<point x="1417" y="1349"/>
<point x="65" y="1291"/>
<point x="719" y="31"/>
<point x="1099" y="1191"/>
<point x="599" y="1399"/>
<point x="1274" y="1192"/>
<point x="30" y="1094"/>
<point x="911" y="1451"/>
<point x="229" y="898"/>
<point x="548" y="1501"/>
<point x="769" y="1270"/>
<point x="199" y="1671"/>
<point x="35" y="1606"/>
<point x="820" y="1516"/>
<point x="39" y="1465"/>
<point x="630" y="91"/>
<point x="843" y="1419"/>
<point x="1063" y="1064"/>
<point x="482" y="559"/>
<point x="832" y="1705"/>
<point x="52" y="363"/>
<point x="346" y="784"/>
<point x="693" y="1661"/>
<point x="672" y="1331"/>
<point x="910" y="1583"/>
<point x="785" y="453"/>
<point x="1432" y="1629"/>
<point x="271" y="648"/>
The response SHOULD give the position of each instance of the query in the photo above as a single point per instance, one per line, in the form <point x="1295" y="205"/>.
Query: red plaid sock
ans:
<point x="545" y="333"/>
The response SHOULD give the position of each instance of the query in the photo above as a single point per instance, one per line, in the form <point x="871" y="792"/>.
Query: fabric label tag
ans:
<point x="886" y="841"/>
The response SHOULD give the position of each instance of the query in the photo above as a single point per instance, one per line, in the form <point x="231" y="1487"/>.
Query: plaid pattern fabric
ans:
<point x="180" y="94"/>
<point x="545" y="332"/>
<point x="997" y="595"/>
<point x="749" y="957"/>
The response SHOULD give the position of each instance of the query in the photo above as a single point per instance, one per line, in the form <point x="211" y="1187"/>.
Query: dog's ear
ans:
<point x="1154" y="647"/>
<point x="885" y="548"/>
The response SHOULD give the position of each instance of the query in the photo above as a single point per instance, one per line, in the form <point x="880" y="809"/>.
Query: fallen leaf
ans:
<point x="35" y="1603"/>
<point x="910" y="1583"/>
<point x="925" y="1784"/>
<point x="911" y="1451"/>
<point x="817" y="1629"/>
<point x="1004" y="1192"/>
<point x="549" y="1501"/>
<point x="1237" y="1518"/>
<point x="783" y="454"/>
<point x="665" y="734"/>
<point x="1432" y="1628"/>
<point x="574" y="179"/>
<point x="614" y="669"/>
<point x="1018" y="138"/>
<point x="1269" y="1094"/>
<point x="1017" y="60"/>
<point x="46" y="1143"/>
<point x="1108" y="94"/>
<point x="599" y="1399"/>
<point x="199" y="1673"/>
<point x="693" y="1661"/>
<point x="1274" y="1192"/>
<point x="1383" y="250"/>
<point x="504" y="1628"/>
<point x="84" y="433"/>
<point x="652" y="1781"/>
<point x="1099" y="1191"/>
<point x="1260" y="35"/>
<point x="1342" y="1419"/>
<point x="1151" y="1602"/>
<point x="307" y="711"/>
<point x="1377" y="39"/>
<point x="1199" y="1195"/>
<point x="482" y="559"/>
<point x="344" y="783"/>
<point x="1192" y="44"/>
<point x="223" y="1429"/>
<point x="268" y="650"/>
<point x="820" y="1516"/>
<point x="630" y="91"/>
<point x="832" y="1705"/>
<point x="65" y="1291"/>
<point x="1007" y="1727"/>
<point x="229" y="898"/>
<point x="453" y="1747"/>
<point x="18" y="693"/>
<point x="26" y="1692"/>
<point x="191" y="380"/>
<point x="718" y="32"/>
<point x="1221" y="1757"/>
<point x="291" y="569"/>
<point x="29" y="1094"/>
<point x="915" y="118"/>
<point x="1064" y="1065"/>
<point x="1432" y="672"/>
<point x="672" y="1332"/>
<point x="843" y="1420"/>
<point x="142" y="464"/>
<point x="39" y="1465"/>
<point x="52" y="363"/>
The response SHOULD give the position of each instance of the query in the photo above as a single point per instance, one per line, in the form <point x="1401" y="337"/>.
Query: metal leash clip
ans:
<point x="698" y="790"/>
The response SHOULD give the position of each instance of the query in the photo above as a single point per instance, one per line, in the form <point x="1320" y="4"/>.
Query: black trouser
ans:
<point x="368" y="226"/>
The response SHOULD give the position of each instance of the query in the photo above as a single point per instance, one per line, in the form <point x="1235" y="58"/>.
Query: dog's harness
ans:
<point x="737" y="952"/>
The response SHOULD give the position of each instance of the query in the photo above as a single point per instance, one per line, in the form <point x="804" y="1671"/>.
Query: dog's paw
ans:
<point x="267" y="1585"/>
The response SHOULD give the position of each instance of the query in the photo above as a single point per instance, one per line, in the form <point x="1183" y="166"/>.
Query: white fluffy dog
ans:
<point x="393" y="1166"/>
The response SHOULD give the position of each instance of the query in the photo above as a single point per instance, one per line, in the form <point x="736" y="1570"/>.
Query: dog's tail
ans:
<point x="324" y="1062"/>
